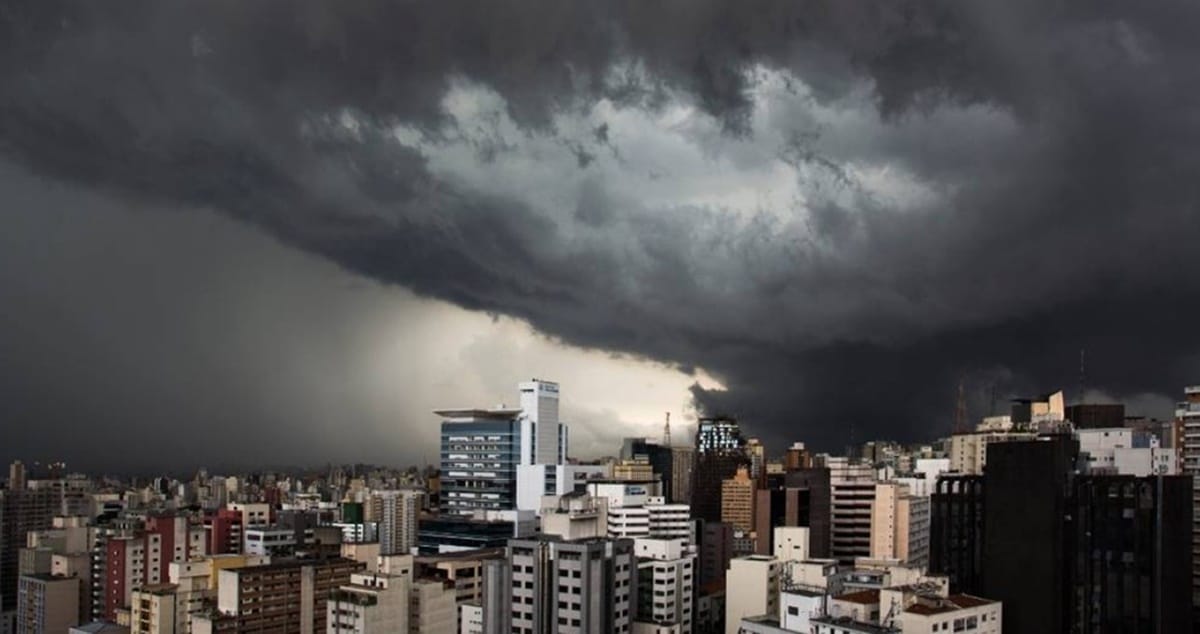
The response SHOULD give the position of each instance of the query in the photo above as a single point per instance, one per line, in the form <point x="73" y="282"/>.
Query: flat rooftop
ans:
<point x="504" y="413"/>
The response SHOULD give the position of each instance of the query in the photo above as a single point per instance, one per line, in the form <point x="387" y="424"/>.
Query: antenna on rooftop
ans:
<point x="667" y="431"/>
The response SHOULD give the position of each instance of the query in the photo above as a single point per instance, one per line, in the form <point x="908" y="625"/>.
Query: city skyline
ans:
<point x="306" y="233"/>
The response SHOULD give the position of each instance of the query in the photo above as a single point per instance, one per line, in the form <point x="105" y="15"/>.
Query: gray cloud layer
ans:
<point x="1045" y="150"/>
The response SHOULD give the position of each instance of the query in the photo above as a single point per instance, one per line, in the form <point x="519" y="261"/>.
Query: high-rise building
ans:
<point x="716" y="549"/>
<point x="432" y="607"/>
<point x="683" y="462"/>
<point x="21" y="511"/>
<point x="900" y="525"/>
<point x="539" y="411"/>
<point x="797" y="457"/>
<point x="572" y="587"/>
<point x="751" y="589"/>
<point x="371" y="603"/>
<point x="720" y="450"/>
<point x="398" y="512"/>
<point x="665" y="585"/>
<point x="1127" y="570"/>
<point x="143" y="557"/>
<point x="1065" y="551"/>
<point x="158" y="609"/>
<point x="758" y="458"/>
<point x="1096" y="415"/>
<point x="814" y="508"/>
<point x="652" y="519"/>
<point x="956" y="531"/>
<point x="507" y="458"/>
<point x="737" y="501"/>
<point x="462" y="570"/>
<point x="47" y="604"/>
<point x="496" y="605"/>
<point x="16" y="476"/>
<point x="659" y="459"/>
<point x="1187" y="416"/>
<point x="852" y="491"/>
<point x="1027" y="484"/>
<point x="481" y="449"/>
<point x="288" y="596"/>
<point x="634" y="469"/>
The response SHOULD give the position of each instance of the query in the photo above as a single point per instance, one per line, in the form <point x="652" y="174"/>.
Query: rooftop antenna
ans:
<point x="960" y="410"/>
<point x="667" y="431"/>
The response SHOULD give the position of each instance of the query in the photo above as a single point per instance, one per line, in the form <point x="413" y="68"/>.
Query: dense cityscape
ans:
<point x="599" y="317"/>
<point x="1053" y="517"/>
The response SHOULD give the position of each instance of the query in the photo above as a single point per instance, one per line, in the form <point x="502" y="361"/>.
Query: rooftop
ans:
<point x="857" y="627"/>
<point x="461" y="555"/>
<point x="952" y="603"/>
<point x="863" y="597"/>
<point x="502" y="413"/>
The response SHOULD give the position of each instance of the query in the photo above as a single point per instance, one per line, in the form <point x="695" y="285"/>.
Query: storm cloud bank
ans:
<point x="839" y="209"/>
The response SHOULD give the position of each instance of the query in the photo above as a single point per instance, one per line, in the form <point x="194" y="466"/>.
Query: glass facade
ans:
<point x="479" y="459"/>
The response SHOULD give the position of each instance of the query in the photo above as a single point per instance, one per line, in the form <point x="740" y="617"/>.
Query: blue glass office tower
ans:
<point x="481" y="449"/>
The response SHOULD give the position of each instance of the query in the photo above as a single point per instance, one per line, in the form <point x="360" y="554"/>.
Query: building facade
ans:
<point x="720" y="450"/>
<point x="572" y="587"/>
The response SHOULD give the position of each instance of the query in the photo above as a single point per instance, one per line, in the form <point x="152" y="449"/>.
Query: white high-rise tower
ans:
<point x="544" y="438"/>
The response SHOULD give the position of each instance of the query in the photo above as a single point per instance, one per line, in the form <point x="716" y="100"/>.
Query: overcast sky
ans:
<point x="284" y="231"/>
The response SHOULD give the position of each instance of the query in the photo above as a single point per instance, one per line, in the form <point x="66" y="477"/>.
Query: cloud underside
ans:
<point x="839" y="210"/>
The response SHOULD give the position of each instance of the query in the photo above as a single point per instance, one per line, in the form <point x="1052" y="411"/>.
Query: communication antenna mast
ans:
<point x="960" y="411"/>
<point x="667" y="431"/>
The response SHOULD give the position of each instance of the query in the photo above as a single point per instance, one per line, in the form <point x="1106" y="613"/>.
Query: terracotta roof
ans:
<point x="968" y="601"/>
<point x="952" y="603"/>
<point x="864" y="597"/>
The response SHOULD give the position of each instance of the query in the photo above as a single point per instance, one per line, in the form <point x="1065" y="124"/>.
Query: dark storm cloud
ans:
<point x="1062" y="216"/>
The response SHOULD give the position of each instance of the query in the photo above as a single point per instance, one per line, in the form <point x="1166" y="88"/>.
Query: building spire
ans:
<point x="667" y="431"/>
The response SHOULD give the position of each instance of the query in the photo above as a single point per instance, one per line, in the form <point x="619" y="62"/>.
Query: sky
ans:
<point x="284" y="232"/>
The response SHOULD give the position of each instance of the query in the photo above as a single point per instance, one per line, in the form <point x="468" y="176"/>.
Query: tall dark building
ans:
<point x="716" y="549"/>
<point x="814" y="507"/>
<point x="1026" y="530"/>
<point x="21" y="511"/>
<point x="775" y="504"/>
<point x="1066" y="552"/>
<point x="720" y="450"/>
<point x="1132" y="559"/>
<point x="956" y="532"/>
<point x="661" y="460"/>
<point x="1096" y="415"/>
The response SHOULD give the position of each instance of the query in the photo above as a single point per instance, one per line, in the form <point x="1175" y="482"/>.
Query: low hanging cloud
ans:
<point x="839" y="210"/>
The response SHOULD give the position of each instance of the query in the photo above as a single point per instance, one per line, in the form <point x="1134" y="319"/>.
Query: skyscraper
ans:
<point x="852" y="491"/>
<point x="21" y="511"/>
<point x="1127" y="570"/>
<point x="481" y="449"/>
<point x="956" y="531"/>
<point x="1187" y="415"/>
<point x="584" y="586"/>
<point x="814" y="507"/>
<point x="16" y="476"/>
<point x="546" y="439"/>
<point x="397" y="516"/>
<point x="1024" y="559"/>
<point x="737" y="501"/>
<point x="720" y="450"/>
<point x="1066" y="551"/>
